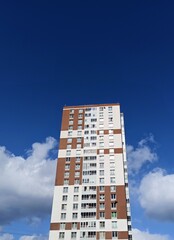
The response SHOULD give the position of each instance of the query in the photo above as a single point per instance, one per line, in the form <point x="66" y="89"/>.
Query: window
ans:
<point x="71" y="111"/>
<point x="101" y="172"/>
<point x="111" y="137"/>
<point x="71" y="115"/>
<point x="75" y="197"/>
<point x="79" y="127"/>
<point x="110" y="119"/>
<point x="101" y="137"/>
<point x="64" y="198"/>
<point x="112" y="172"/>
<point x="102" y="188"/>
<point x="102" y="214"/>
<point x="68" y="152"/>
<point x="66" y="174"/>
<point x="111" y="131"/>
<point x="88" y="214"/>
<point x="101" y="151"/>
<point x="111" y="157"/>
<point x="69" y="140"/>
<point x="76" y="189"/>
<point x="77" y="174"/>
<point x="67" y="166"/>
<point x="102" y="235"/>
<point x="102" y="197"/>
<point x="112" y="164"/>
<point x="111" y="144"/>
<point x="114" y="234"/>
<point x="80" y="116"/>
<point x="113" y="196"/>
<point x="79" y="121"/>
<point x="129" y="228"/>
<point x="101" y="180"/>
<point x="62" y="225"/>
<point x="65" y="189"/>
<point x="77" y="167"/>
<point x="68" y="146"/>
<point x="86" y="132"/>
<point x="71" y="122"/>
<point x="101" y="144"/>
<point x="78" y="152"/>
<point x="66" y="181"/>
<point x="112" y="179"/>
<point x="111" y="125"/>
<point x="64" y="206"/>
<point x="101" y="157"/>
<point x="63" y="215"/>
<point x="79" y="145"/>
<point x="109" y="108"/>
<point x="69" y="133"/>
<point x="113" y="215"/>
<point x="101" y="165"/>
<point x="74" y="215"/>
<point x="76" y="181"/>
<point x="113" y="204"/>
<point x="111" y="151"/>
<point x="68" y="159"/>
<point x="93" y="119"/>
<point x="78" y="159"/>
<point x="113" y="188"/>
<point x="79" y="139"/>
<point x="101" y="125"/>
<point x="70" y="127"/>
<point x="93" y="144"/>
<point x="102" y="224"/>
<point x="130" y="237"/>
<point x="93" y="132"/>
<point x="102" y="205"/>
<point x="75" y="206"/>
<point x="80" y="110"/>
<point x="74" y="225"/>
<point x="93" y="138"/>
<point x="79" y="133"/>
<point x="73" y="235"/>
<point x="101" y="132"/>
<point x="61" y="235"/>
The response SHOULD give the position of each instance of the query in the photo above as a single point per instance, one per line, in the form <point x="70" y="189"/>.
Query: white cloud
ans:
<point x="144" y="153"/>
<point x="26" y="184"/>
<point x="145" y="235"/>
<point x="34" y="237"/>
<point x="156" y="195"/>
<point x="6" y="236"/>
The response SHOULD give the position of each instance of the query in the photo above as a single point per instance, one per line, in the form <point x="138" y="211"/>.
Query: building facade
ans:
<point x="91" y="196"/>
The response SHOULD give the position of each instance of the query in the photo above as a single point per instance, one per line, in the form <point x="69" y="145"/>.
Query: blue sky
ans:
<point x="56" y="53"/>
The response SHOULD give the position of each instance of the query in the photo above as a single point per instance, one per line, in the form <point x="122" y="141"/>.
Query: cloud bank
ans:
<point x="156" y="195"/>
<point x="145" y="235"/>
<point x="7" y="236"/>
<point x="26" y="184"/>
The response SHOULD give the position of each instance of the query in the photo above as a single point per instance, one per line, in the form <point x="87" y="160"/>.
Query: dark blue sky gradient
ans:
<point x="54" y="53"/>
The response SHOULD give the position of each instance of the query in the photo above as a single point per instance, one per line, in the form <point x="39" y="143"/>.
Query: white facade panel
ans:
<point x="53" y="235"/>
<point x="119" y="170"/>
<point x="122" y="225"/>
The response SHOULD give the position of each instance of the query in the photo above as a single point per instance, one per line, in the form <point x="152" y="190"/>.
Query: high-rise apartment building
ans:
<point x="91" y="196"/>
